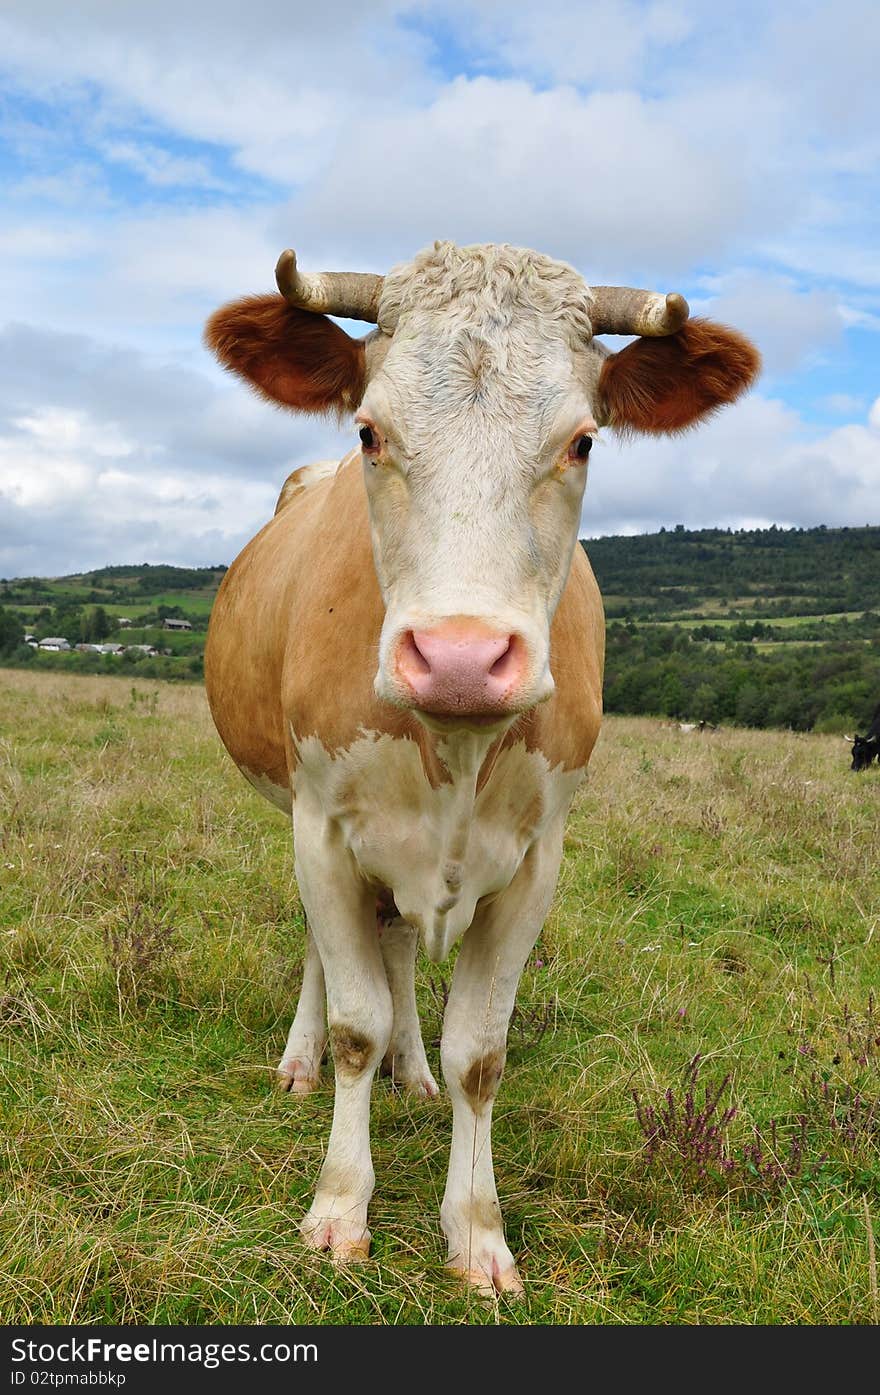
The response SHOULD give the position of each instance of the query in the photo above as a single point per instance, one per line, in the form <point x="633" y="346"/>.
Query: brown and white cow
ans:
<point x="409" y="657"/>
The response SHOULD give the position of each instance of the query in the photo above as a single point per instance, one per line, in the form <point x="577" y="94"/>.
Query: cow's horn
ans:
<point x="353" y="295"/>
<point x="624" y="310"/>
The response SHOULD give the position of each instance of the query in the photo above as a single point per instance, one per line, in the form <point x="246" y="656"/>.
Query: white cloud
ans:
<point x="271" y="81"/>
<point x="108" y="455"/>
<point x="607" y="181"/>
<point x="57" y="431"/>
<point x="842" y="404"/>
<point x="606" y="41"/>
<point x="159" y="167"/>
<point x="758" y="459"/>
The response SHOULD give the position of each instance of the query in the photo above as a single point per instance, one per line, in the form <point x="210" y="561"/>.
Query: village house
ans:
<point x="169" y="624"/>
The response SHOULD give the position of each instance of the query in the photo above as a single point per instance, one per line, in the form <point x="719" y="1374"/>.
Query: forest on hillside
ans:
<point x="667" y="671"/>
<point x="763" y="572"/>
<point x="764" y="627"/>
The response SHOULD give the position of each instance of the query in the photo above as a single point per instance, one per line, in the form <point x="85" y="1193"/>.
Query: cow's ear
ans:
<point x="668" y="384"/>
<point x="289" y="356"/>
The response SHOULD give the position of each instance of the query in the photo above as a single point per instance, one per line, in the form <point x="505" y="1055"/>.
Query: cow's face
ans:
<point x="477" y="402"/>
<point x="476" y="430"/>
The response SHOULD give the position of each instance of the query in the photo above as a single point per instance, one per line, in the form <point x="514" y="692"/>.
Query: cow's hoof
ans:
<point x="345" y="1241"/>
<point x="480" y="1256"/>
<point x="426" y="1089"/>
<point x="416" y="1079"/>
<point x="296" y="1078"/>
<point x="351" y="1251"/>
<point x="506" y="1281"/>
<point x="422" y="1087"/>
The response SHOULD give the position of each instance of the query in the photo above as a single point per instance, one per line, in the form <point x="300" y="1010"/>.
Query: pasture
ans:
<point x="713" y="947"/>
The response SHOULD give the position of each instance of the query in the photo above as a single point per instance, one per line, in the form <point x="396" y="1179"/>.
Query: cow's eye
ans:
<point x="580" y="448"/>
<point x="369" y="438"/>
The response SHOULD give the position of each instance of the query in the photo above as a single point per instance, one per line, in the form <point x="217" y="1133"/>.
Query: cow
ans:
<point x="867" y="748"/>
<point x="408" y="659"/>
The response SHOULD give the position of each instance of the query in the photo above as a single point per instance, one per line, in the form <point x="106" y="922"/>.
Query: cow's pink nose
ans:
<point x="461" y="667"/>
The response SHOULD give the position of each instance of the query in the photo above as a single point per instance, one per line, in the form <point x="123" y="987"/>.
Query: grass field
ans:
<point x="719" y="899"/>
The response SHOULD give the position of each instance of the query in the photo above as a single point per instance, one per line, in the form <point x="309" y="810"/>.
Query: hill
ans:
<point x="762" y="627"/>
<point x="756" y="573"/>
<point x="765" y="627"/>
<point x="125" y="604"/>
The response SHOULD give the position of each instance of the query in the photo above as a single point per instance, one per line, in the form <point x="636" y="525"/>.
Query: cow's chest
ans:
<point x="438" y="848"/>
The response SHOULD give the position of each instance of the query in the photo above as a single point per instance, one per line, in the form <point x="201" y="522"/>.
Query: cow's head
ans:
<point x="477" y="400"/>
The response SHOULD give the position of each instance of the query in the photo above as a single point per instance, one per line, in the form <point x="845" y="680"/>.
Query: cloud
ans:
<point x="271" y="82"/>
<point x="159" y="167"/>
<point x="608" y="181"/>
<point x="610" y="42"/>
<point x="842" y="404"/>
<point x="147" y="277"/>
<point x="108" y="455"/>
<point x="758" y="460"/>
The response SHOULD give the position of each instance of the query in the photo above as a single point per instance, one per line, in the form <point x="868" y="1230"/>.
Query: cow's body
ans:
<point x="409" y="658"/>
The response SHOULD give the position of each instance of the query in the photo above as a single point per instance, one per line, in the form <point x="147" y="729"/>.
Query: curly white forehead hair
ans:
<point x="489" y="284"/>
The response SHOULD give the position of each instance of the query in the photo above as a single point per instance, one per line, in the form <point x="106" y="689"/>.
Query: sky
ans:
<point x="155" y="159"/>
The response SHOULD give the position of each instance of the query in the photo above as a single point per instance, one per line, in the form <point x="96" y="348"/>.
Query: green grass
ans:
<point x="718" y="897"/>
<point x="194" y="602"/>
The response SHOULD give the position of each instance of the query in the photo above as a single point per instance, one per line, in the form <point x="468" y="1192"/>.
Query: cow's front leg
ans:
<point x="405" y="1060"/>
<point x="342" y="914"/>
<point x="299" y="1070"/>
<point x="473" y="1053"/>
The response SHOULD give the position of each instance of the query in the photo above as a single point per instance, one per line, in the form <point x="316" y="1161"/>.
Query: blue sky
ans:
<point x="155" y="160"/>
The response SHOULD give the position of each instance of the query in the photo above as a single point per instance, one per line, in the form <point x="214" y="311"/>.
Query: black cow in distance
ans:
<point x="867" y="748"/>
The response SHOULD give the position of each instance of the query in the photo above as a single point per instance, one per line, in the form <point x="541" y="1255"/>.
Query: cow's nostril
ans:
<point x="506" y="662"/>
<point x="411" y="657"/>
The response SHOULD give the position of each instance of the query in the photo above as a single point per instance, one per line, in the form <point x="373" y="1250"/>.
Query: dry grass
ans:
<point x="718" y="897"/>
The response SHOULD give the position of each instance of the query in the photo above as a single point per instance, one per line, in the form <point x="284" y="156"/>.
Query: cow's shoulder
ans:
<point x="305" y="477"/>
<point x="331" y="648"/>
<point x="294" y="638"/>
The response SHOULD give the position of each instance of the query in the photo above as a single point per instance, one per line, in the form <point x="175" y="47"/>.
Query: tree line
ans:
<point x="666" y="671"/>
<point x="771" y="571"/>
